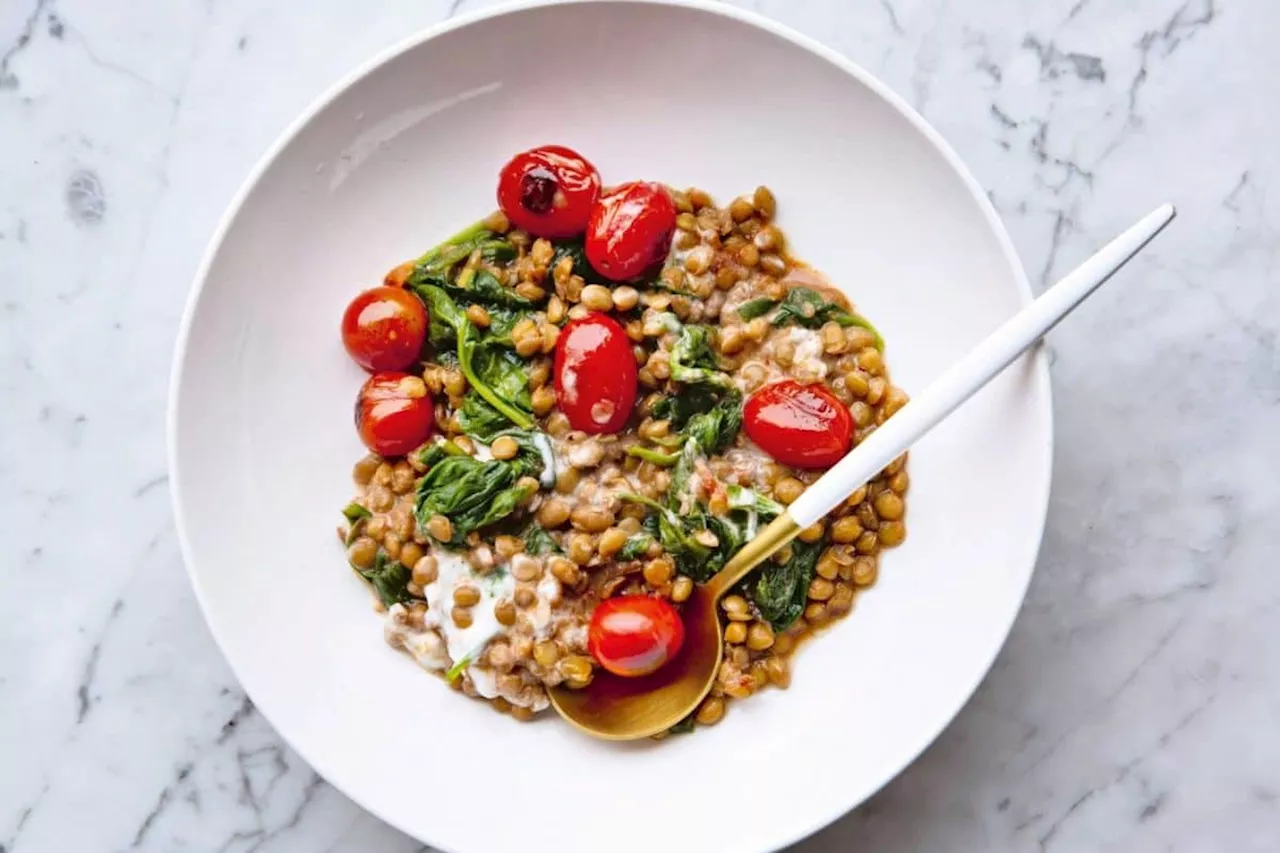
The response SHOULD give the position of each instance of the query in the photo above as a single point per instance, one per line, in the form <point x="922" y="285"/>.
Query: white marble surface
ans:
<point x="1135" y="707"/>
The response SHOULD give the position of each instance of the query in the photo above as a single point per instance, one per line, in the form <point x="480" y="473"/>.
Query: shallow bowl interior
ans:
<point x="407" y="153"/>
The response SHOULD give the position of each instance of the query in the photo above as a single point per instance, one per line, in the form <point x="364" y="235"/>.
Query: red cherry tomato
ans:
<point x="595" y="374"/>
<point x="383" y="329"/>
<point x="394" y="413"/>
<point x="549" y="191"/>
<point x="634" y="634"/>
<point x="630" y="230"/>
<point x="803" y="426"/>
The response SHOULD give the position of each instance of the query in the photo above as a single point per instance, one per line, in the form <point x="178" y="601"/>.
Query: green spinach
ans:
<point x="389" y="578"/>
<point x="354" y="512"/>
<point x="715" y="429"/>
<point x="439" y="261"/>
<point x="456" y="670"/>
<point x="805" y="307"/>
<point x="756" y="308"/>
<point x="494" y="373"/>
<point x="433" y="453"/>
<point x="694" y="360"/>
<point x="683" y="727"/>
<point x="636" y="546"/>
<point x="679" y="408"/>
<point x="480" y="420"/>
<point x="538" y="542"/>
<point x="481" y="287"/>
<point x="653" y="457"/>
<point x="474" y="494"/>
<point x="742" y="498"/>
<point x="573" y="249"/>
<point x="683" y="536"/>
<point x="780" y="590"/>
<point x="690" y="554"/>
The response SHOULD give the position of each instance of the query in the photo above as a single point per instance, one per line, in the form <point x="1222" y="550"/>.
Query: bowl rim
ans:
<point x="1041" y="376"/>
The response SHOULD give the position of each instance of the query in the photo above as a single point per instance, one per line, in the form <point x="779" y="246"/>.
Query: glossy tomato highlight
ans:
<point x="634" y="635"/>
<point x="549" y="191"/>
<point x="394" y="413"/>
<point x="595" y="374"/>
<point x="383" y="329"/>
<point x="803" y="426"/>
<point x="630" y="230"/>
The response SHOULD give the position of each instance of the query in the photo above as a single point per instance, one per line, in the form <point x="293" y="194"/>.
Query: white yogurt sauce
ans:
<point x="425" y="646"/>
<point x="809" y="350"/>
<point x="548" y="592"/>
<point x="451" y="571"/>
<point x="441" y="644"/>
<point x="542" y="441"/>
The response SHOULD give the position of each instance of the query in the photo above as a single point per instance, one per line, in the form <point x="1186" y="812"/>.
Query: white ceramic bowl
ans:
<point x="404" y="153"/>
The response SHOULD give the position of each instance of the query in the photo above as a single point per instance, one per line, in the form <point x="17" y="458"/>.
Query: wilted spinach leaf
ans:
<point x="740" y="497"/>
<point x="780" y="590"/>
<point x="474" y="494"/>
<point x="433" y="453"/>
<point x="636" y="546"/>
<point x="354" y="512"/>
<point x="805" y="307"/>
<point x="480" y="420"/>
<point x="653" y="457"/>
<point x="683" y="727"/>
<point x="756" y="308"/>
<point x="494" y="373"/>
<point x="694" y="360"/>
<point x="538" y="542"/>
<point x="679" y="408"/>
<point x="690" y="554"/>
<point x="439" y="261"/>
<point x="390" y="579"/>
<point x="483" y="288"/>
<point x="581" y="266"/>
<point x="714" y="430"/>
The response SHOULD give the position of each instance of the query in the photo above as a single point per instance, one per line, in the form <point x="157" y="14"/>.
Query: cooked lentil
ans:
<point x="505" y="610"/>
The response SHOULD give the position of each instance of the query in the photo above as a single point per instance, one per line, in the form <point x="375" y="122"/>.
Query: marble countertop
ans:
<point x="1135" y="706"/>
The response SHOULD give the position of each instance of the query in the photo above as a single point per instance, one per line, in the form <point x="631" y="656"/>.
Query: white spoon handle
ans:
<point x="963" y="379"/>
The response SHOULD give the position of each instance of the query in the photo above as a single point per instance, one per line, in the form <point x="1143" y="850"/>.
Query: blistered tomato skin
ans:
<point x="633" y="635"/>
<point x="630" y="230"/>
<point x="383" y="329"/>
<point x="804" y="426"/>
<point x="595" y="374"/>
<point x="394" y="413"/>
<point x="549" y="191"/>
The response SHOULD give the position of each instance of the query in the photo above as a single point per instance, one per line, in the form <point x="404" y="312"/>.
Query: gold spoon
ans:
<point x="617" y="708"/>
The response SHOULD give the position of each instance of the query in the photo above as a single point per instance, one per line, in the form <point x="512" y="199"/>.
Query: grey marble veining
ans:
<point x="1135" y="705"/>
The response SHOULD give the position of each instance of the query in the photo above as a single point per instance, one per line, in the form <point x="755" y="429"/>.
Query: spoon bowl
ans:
<point x="616" y="708"/>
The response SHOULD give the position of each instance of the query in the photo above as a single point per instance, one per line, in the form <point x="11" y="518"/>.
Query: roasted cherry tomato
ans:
<point x="595" y="373"/>
<point x="383" y="329"/>
<point x="803" y="426"/>
<point x="394" y="413"/>
<point x="634" y="634"/>
<point x="549" y="191"/>
<point x="630" y="230"/>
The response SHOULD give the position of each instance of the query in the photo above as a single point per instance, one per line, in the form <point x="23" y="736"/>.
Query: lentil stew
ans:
<point x="574" y="419"/>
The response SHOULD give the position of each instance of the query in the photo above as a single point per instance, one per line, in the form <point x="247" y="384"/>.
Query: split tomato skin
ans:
<point x="549" y="191"/>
